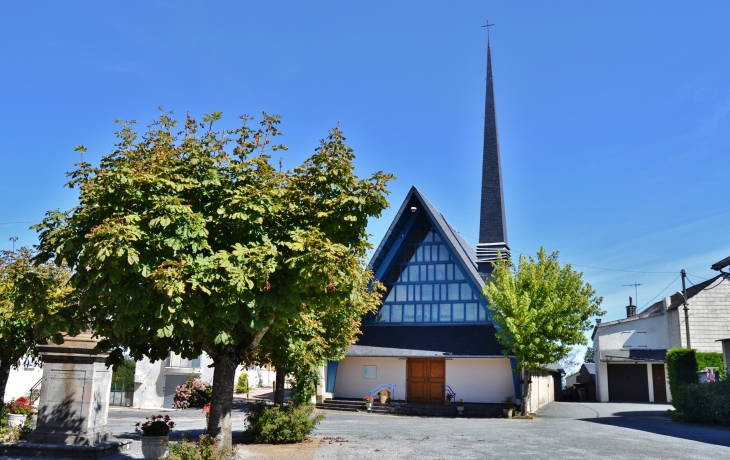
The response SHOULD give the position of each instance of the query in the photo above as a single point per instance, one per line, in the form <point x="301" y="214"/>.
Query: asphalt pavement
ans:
<point x="582" y="431"/>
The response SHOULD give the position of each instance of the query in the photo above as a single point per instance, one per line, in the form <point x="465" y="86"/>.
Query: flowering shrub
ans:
<point x="460" y="402"/>
<point x="20" y="406"/>
<point x="206" y="411"/>
<point x="384" y="393"/>
<point x="193" y="393"/>
<point x="157" y="425"/>
<point x="368" y="398"/>
<point x="275" y="425"/>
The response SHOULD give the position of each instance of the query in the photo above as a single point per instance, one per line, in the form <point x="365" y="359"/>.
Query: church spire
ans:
<point x="492" y="221"/>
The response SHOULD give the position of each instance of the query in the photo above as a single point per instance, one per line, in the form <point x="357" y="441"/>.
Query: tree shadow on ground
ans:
<point x="661" y="423"/>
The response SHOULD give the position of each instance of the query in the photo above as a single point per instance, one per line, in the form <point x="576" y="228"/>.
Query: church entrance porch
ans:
<point x="426" y="378"/>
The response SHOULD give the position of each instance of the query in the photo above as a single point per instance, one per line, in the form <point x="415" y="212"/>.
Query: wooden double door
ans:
<point x="426" y="380"/>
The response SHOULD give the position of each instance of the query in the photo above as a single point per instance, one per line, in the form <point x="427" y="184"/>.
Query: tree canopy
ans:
<point x="540" y="308"/>
<point x="190" y="239"/>
<point x="31" y="297"/>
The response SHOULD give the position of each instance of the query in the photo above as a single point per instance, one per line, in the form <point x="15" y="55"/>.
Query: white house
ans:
<point x="155" y="382"/>
<point x="630" y="353"/>
<point x="22" y="379"/>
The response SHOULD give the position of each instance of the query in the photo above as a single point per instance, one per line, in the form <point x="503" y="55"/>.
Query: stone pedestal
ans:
<point x="73" y="406"/>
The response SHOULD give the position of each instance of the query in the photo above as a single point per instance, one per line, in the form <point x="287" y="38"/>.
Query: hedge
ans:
<point x="681" y="370"/>
<point x="706" y="402"/>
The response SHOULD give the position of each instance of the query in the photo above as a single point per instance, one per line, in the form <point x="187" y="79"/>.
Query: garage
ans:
<point x="628" y="382"/>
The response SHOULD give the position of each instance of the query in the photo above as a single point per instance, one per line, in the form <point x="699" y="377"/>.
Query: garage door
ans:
<point x="628" y="382"/>
<point x="172" y="381"/>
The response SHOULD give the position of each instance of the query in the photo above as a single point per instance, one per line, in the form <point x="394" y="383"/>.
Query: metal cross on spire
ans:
<point x="488" y="25"/>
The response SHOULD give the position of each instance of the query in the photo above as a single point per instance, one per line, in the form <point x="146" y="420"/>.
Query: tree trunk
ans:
<point x="526" y="377"/>
<point x="4" y="374"/>
<point x="280" y="381"/>
<point x="219" y="421"/>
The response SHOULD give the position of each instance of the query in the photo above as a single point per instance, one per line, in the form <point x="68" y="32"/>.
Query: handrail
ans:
<point x="33" y="389"/>
<point x="448" y="391"/>
<point x="384" y="386"/>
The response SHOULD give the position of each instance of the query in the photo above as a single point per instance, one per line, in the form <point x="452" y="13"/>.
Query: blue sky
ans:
<point x="613" y="118"/>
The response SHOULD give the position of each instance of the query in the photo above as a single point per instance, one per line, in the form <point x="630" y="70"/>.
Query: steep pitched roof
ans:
<point x="721" y="264"/>
<point x="395" y="235"/>
<point x="676" y="299"/>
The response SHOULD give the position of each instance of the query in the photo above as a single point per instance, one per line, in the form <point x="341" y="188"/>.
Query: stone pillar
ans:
<point x="74" y="397"/>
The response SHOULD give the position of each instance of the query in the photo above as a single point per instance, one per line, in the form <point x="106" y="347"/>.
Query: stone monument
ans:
<point x="73" y="405"/>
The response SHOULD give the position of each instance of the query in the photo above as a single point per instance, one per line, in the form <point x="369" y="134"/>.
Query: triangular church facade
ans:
<point x="433" y="335"/>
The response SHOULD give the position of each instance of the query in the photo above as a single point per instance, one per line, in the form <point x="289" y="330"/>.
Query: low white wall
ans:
<point x="542" y="392"/>
<point x="149" y="394"/>
<point x="480" y="380"/>
<point x="351" y="384"/>
<point x="20" y="381"/>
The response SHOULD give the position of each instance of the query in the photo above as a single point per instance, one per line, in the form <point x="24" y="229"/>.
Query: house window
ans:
<point x="175" y="360"/>
<point x="369" y="372"/>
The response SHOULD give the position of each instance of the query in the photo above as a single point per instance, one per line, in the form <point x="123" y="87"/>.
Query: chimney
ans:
<point x="630" y="308"/>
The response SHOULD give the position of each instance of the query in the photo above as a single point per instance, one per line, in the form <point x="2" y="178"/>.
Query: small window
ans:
<point x="369" y="372"/>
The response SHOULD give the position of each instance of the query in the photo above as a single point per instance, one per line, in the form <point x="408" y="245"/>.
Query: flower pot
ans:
<point x="460" y="409"/>
<point x="154" y="447"/>
<point x="369" y="406"/>
<point x="16" y="419"/>
<point x="383" y="399"/>
<point x="507" y="412"/>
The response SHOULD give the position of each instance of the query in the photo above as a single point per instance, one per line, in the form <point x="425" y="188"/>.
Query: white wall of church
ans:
<point x="351" y="384"/>
<point x="480" y="380"/>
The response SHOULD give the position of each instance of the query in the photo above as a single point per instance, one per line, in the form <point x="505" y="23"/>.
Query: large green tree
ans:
<point x="30" y="295"/>
<point x="190" y="239"/>
<point x="541" y="309"/>
<point x="303" y="342"/>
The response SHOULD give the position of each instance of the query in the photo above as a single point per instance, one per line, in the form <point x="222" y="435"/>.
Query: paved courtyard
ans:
<point x="562" y="430"/>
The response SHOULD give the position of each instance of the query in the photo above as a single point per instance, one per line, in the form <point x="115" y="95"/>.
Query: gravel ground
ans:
<point x="562" y="430"/>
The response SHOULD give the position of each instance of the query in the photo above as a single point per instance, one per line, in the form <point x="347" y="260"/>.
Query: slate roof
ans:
<point x="633" y="355"/>
<point x="721" y="264"/>
<point x="476" y="340"/>
<point x="492" y="222"/>
<point x="459" y="247"/>
<point x="591" y="368"/>
<point x="676" y="299"/>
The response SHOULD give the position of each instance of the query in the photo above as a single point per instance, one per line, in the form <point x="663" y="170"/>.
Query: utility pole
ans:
<point x="686" y="310"/>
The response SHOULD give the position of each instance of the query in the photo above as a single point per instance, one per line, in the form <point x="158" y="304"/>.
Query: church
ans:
<point x="433" y="334"/>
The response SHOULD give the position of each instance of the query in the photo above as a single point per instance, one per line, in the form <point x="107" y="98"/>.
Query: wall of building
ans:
<point x="480" y="380"/>
<point x="148" y="386"/>
<point x="709" y="317"/>
<point x="21" y="380"/>
<point x="541" y="392"/>
<point x="675" y="324"/>
<point x="603" y="392"/>
<point x="613" y="336"/>
<point x="351" y="384"/>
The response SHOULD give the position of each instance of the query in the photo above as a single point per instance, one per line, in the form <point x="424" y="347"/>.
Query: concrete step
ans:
<point x="413" y="409"/>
